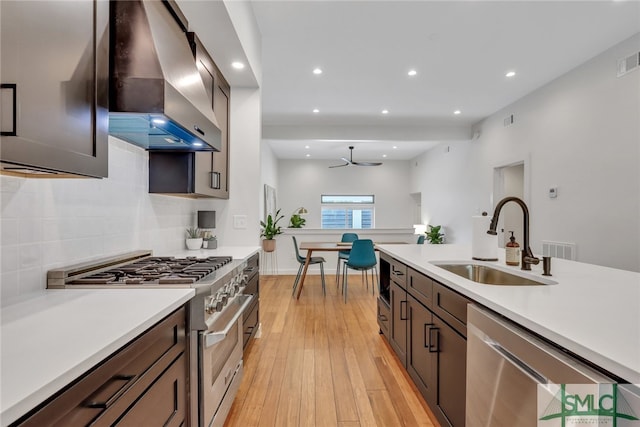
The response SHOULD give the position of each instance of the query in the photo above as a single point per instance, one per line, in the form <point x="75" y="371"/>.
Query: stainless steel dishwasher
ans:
<point x="506" y="365"/>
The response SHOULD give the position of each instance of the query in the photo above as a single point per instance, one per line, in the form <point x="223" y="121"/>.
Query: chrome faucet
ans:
<point x="527" y="254"/>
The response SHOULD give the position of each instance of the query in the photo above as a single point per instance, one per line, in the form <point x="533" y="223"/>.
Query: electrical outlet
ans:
<point x="240" y="221"/>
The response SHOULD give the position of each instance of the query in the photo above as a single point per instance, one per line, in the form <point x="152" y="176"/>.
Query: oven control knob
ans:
<point x="236" y="288"/>
<point x="245" y="279"/>
<point x="219" y="305"/>
<point x="224" y="298"/>
<point x="210" y="305"/>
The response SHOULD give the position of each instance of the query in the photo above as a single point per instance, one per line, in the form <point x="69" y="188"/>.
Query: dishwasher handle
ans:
<point x="517" y="363"/>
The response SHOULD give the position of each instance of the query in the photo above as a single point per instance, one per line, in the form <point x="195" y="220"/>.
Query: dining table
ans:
<point x="310" y="247"/>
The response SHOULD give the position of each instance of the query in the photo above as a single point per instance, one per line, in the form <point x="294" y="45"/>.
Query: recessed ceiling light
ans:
<point x="395" y="147"/>
<point x="510" y="74"/>
<point x="308" y="155"/>
<point x="307" y="147"/>
<point x="385" y="111"/>
<point x="457" y="112"/>
<point x="315" y="110"/>
<point x="317" y="71"/>
<point x="384" y="155"/>
<point x="237" y="65"/>
<point x="412" y="73"/>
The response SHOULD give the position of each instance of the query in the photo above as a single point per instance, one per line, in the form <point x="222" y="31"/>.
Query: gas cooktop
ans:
<point x="140" y="269"/>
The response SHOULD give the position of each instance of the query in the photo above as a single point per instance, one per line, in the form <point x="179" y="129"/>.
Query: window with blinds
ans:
<point x="347" y="212"/>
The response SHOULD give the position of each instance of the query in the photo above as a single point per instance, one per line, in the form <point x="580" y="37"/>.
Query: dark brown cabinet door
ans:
<point x="421" y="351"/>
<point x="398" y="337"/>
<point x="451" y="372"/>
<point x="220" y="167"/>
<point x="54" y="95"/>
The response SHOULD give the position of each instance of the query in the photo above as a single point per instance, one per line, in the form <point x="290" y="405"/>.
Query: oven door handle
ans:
<point x="214" y="337"/>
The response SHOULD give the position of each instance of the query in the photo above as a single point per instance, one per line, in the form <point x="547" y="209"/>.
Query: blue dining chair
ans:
<point x="362" y="257"/>
<point x="421" y="240"/>
<point x="314" y="260"/>
<point x="343" y="256"/>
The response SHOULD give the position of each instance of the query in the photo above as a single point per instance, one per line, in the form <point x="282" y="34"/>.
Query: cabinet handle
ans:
<point x="197" y="129"/>
<point x="92" y="401"/>
<point x="215" y="180"/>
<point x="427" y="341"/>
<point x="14" y="89"/>
<point x="405" y="310"/>
<point x="433" y="348"/>
<point x="397" y="272"/>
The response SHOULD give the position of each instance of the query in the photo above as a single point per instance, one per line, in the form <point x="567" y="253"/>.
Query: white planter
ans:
<point x="194" y="244"/>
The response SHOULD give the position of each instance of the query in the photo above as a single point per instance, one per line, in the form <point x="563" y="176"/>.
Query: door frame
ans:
<point x="498" y="192"/>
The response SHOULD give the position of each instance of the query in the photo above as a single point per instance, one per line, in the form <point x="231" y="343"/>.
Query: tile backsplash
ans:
<point x="49" y="223"/>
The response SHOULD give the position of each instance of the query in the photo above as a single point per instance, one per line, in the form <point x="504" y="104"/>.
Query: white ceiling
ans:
<point x="461" y="51"/>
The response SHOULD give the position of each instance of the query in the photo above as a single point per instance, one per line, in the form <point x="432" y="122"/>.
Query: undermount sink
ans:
<point x="489" y="276"/>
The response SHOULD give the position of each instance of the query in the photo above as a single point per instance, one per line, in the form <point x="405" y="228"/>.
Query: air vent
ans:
<point x="628" y="64"/>
<point x="559" y="250"/>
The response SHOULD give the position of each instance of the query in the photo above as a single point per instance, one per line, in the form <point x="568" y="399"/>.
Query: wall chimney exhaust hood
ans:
<point x="157" y="98"/>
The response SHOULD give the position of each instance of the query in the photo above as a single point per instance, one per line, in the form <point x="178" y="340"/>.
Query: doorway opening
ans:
<point x="510" y="180"/>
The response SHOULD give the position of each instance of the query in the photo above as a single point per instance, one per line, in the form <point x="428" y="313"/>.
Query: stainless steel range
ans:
<point x="215" y="314"/>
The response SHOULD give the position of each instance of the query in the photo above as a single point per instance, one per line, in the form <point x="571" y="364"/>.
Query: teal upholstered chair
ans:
<point x="343" y="256"/>
<point x="302" y="260"/>
<point x="362" y="257"/>
<point x="421" y="240"/>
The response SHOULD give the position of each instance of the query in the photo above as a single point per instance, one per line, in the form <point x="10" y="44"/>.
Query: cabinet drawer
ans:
<point x="384" y="317"/>
<point x="420" y="287"/>
<point x="250" y="323"/>
<point x="398" y="273"/>
<point x="451" y="307"/>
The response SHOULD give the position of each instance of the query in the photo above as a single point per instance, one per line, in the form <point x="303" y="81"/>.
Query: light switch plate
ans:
<point x="553" y="192"/>
<point x="240" y="221"/>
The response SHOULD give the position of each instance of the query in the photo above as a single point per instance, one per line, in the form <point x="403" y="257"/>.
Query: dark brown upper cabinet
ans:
<point x="54" y="93"/>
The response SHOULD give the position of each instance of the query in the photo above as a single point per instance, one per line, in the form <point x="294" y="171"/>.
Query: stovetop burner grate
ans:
<point x="157" y="271"/>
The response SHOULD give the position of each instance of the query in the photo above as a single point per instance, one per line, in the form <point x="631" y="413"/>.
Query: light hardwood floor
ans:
<point x="321" y="362"/>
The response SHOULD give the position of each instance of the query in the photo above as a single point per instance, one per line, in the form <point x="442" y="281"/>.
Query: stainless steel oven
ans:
<point x="220" y="362"/>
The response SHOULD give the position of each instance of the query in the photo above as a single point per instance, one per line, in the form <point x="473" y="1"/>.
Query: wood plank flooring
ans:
<point x="321" y="362"/>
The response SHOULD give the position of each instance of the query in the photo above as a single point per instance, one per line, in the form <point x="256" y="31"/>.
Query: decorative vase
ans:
<point x="194" y="244"/>
<point x="269" y="245"/>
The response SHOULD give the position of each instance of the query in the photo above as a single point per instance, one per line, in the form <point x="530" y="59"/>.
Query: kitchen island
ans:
<point x="592" y="311"/>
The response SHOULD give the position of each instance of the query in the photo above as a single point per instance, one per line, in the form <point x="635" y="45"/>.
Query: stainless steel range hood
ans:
<point x="157" y="98"/>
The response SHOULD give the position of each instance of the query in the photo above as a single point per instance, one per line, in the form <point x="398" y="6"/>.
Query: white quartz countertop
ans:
<point x="592" y="311"/>
<point x="51" y="338"/>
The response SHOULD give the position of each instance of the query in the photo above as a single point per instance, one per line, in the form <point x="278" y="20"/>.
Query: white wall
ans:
<point x="48" y="223"/>
<point x="302" y="182"/>
<point x="244" y="198"/>
<point x="269" y="172"/>
<point x="581" y="134"/>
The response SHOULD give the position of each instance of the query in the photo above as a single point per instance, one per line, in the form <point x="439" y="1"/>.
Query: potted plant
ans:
<point x="434" y="236"/>
<point x="296" y="221"/>
<point x="270" y="229"/>
<point x="194" y="240"/>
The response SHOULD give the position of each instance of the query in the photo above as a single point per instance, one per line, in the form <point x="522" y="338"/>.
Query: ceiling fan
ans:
<point x="350" y="161"/>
